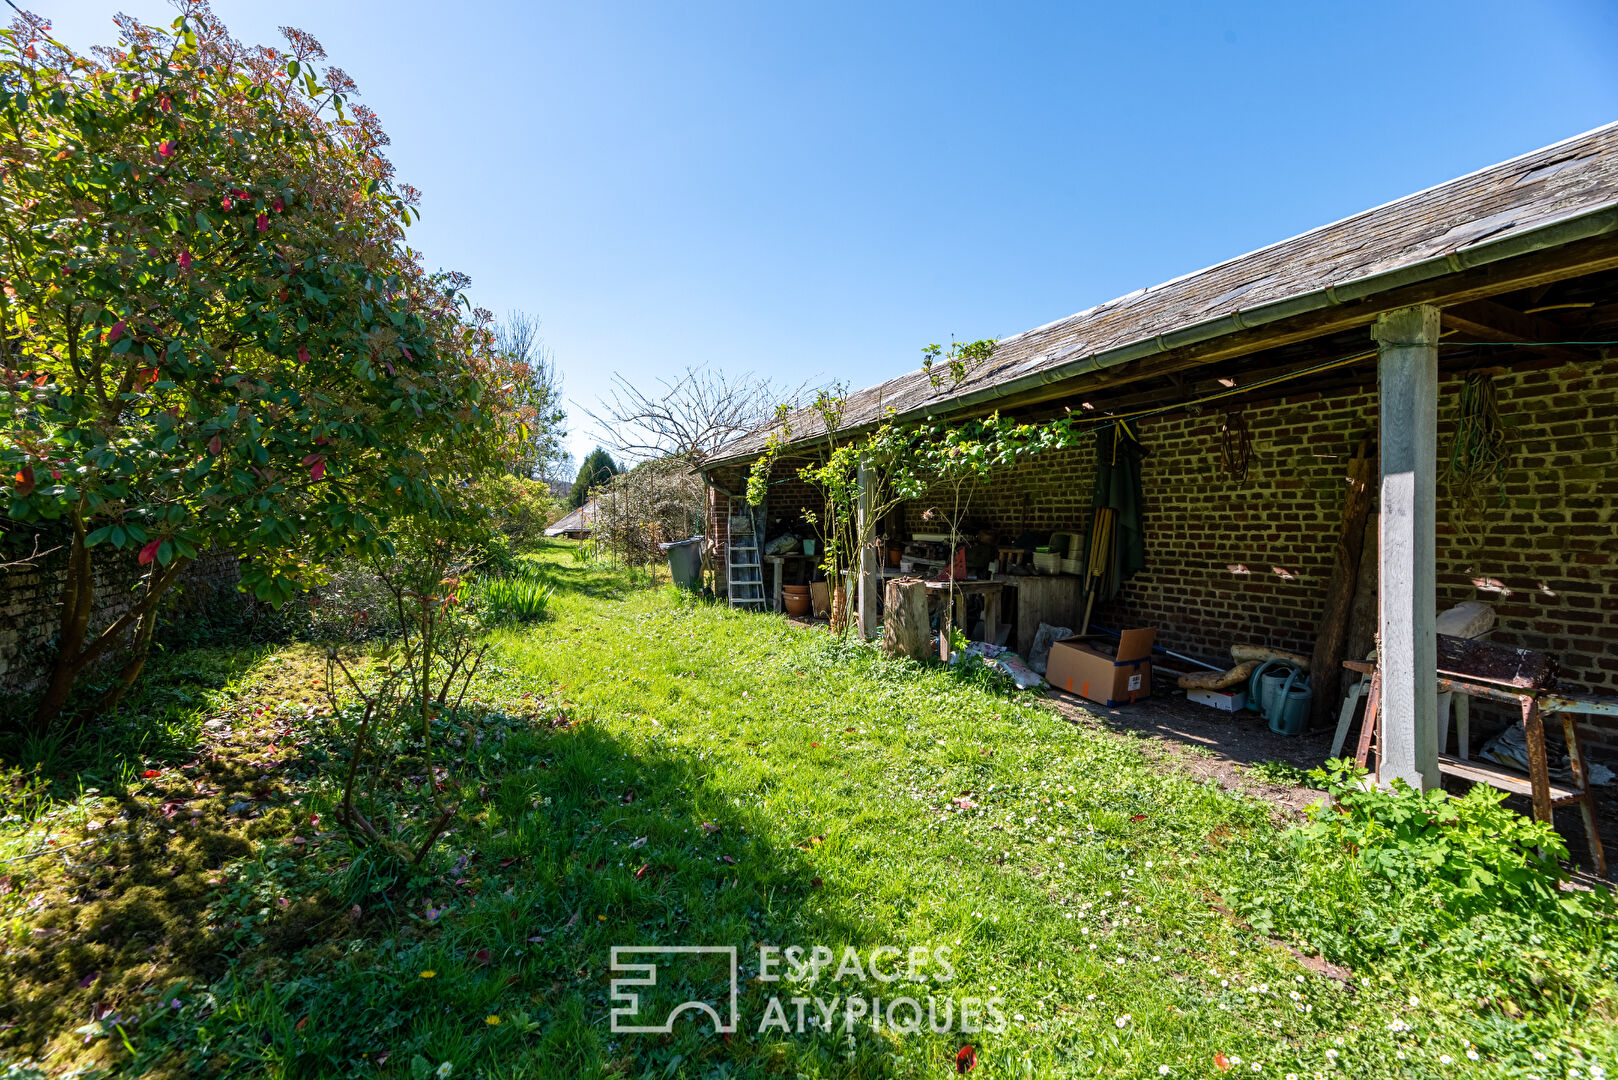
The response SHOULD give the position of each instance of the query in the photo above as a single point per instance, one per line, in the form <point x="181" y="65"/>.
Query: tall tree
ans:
<point x="597" y="469"/>
<point x="538" y="388"/>
<point x="212" y="331"/>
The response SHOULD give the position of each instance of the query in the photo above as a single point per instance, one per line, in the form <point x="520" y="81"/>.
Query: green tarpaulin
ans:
<point x="1118" y="458"/>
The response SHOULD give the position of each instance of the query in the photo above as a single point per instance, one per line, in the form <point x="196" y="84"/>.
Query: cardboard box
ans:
<point x="1103" y="673"/>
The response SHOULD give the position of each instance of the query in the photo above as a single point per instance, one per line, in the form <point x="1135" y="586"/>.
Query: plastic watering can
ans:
<point x="1279" y="692"/>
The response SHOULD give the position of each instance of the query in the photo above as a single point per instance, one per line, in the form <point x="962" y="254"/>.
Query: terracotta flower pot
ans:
<point x="797" y="604"/>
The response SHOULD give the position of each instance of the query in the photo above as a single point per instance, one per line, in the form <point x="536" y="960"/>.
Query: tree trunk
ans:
<point x="78" y="599"/>
<point x="73" y="656"/>
<point x="905" y="629"/>
<point x="1328" y="655"/>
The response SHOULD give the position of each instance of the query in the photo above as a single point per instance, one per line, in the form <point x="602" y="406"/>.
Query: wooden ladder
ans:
<point x="744" y="569"/>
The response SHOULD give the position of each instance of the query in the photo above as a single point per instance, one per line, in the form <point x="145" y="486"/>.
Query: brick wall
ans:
<point x="30" y="616"/>
<point x="1249" y="560"/>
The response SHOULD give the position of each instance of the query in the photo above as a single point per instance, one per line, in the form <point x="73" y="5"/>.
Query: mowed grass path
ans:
<point x="659" y="771"/>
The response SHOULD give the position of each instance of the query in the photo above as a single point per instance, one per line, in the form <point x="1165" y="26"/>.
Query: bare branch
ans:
<point x="688" y="417"/>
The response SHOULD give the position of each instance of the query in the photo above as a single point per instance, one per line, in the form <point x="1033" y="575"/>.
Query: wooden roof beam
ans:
<point x="1489" y="320"/>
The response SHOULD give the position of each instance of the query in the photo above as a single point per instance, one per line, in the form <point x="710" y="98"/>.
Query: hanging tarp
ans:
<point x="1118" y="488"/>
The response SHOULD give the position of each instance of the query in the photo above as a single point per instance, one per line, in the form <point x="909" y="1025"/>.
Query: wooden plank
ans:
<point x="1486" y="320"/>
<point x="1333" y="633"/>
<point x="1539" y="771"/>
<point x="1498" y="776"/>
<point x="1484" y="661"/>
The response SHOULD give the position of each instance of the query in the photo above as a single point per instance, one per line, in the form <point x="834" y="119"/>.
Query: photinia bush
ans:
<point x="212" y="331"/>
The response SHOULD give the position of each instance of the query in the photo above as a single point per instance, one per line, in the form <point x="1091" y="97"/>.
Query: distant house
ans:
<point x="576" y="525"/>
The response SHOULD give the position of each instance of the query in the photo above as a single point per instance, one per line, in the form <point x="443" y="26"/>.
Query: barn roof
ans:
<point x="1553" y="196"/>
<point x="578" y="520"/>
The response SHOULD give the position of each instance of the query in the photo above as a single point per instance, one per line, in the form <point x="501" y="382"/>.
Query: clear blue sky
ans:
<point x="818" y="190"/>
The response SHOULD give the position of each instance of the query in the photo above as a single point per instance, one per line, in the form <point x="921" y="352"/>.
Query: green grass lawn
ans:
<point x="649" y="770"/>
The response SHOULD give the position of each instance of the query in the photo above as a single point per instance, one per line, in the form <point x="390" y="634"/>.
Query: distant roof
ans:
<point x="575" y="521"/>
<point x="1474" y="219"/>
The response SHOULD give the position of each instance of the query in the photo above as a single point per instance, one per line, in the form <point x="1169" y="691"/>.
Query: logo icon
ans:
<point x="645" y="974"/>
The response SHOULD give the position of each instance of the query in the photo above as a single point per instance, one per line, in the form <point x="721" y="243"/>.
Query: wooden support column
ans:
<point x="870" y="599"/>
<point x="1407" y="376"/>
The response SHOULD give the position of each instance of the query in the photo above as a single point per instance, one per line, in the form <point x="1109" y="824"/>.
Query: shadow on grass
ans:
<point x="313" y="955"/>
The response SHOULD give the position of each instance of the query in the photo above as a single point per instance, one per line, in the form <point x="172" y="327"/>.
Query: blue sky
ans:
<point x="817" y="191"/>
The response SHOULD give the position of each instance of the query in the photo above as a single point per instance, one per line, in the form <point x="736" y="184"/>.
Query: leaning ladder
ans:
<point x="745" y="570"/>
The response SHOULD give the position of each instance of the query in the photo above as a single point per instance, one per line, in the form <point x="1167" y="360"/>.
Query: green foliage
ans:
<point x="959" y="359"/>
<point x="1476" y="854"/>
<point x="213" y="332"/>
<point x="523" y="596"/>
<point x="1278" y="772"/>
<point x="1458" y="890"/>
<point x="597" y="468"/>
<point x="521" y="507"/>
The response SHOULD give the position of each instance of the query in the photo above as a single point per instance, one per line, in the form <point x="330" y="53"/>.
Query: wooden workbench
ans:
<point x="1056" y="599"/>
<point x="989" y="590"/>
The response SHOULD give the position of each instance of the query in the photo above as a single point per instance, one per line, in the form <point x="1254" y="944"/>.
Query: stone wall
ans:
<point x="30" y="615"/>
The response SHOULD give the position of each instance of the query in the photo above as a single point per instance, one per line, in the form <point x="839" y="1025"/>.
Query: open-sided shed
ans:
<point x="1251" y="383"/>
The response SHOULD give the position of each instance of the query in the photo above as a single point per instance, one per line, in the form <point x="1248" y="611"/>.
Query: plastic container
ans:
<point x="1279" y="692"/>
<point x="685" y="561"/>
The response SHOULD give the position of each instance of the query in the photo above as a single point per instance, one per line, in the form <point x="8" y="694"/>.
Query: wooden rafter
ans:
<point x="1489" y="320"/>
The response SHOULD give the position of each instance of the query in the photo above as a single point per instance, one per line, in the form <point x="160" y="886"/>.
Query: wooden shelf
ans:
<point x="1497" y="776"/>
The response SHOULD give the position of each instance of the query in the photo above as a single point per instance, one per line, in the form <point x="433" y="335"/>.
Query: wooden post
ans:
<point x="1407" y="376"/>
<point x="1329" y="642"/>
<point x="870" y="600"/>
<point x="906" y="630"/>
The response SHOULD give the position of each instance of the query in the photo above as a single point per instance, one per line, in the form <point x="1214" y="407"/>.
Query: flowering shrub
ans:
<point x="211" y="330"/>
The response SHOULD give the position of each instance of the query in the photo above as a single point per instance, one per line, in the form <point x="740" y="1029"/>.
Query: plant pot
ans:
<point x="797" y="604"/>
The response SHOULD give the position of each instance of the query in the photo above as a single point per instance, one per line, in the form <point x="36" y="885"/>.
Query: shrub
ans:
<point x="521" y="508"/>
<point x="1453" y="888"/>
<point x="522" y="596"/>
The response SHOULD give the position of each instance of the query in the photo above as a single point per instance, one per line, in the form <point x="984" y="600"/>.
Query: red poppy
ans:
<point x="225" y="203"/>
<point x="1222" y="1061"/>
<point x="150" y="773"/>
<point x="966" y="1059"/>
